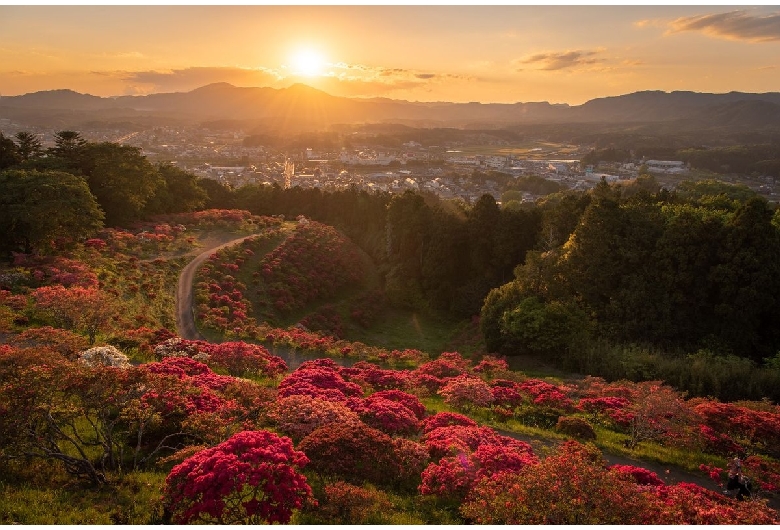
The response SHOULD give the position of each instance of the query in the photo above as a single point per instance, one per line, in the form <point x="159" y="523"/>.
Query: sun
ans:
<point x="308" y="63"/>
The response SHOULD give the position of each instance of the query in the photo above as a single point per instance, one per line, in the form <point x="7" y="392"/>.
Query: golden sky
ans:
<point x="563" y="54"/>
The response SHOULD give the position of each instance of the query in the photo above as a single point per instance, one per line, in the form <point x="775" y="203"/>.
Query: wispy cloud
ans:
<point x="733" y="25"/>
<point x="189" y="78"/>
<point x="562" y="60"/>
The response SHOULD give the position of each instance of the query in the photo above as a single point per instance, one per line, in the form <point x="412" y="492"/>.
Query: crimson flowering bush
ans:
<point x="56" y="270"/>
<point x="299" y="415"/>
<point x="449" y="364"/>
<point x="642" y="476"/>
<point x="251" y="478"/>
<point x="411" y="459"/>
<point x="454" y="476"/>
<point x="318" y="380"/>
<point x="491" y="367"/>
<point x="764" y="473"/>
<point x="756" y="429"/>
<point x="454" y="439"/>
<point x="569" y="487"/>
<point x="363" y="372"/>
<point x="241" y="358"/>
<point x="686" y="503"/>
<point x="388" y="416"/>
<point x="409" y="401"/>
<point x="465" y="391"/>
<point x="446" y="419"/>
<point x="352" y="452"/>
<point x="544" y="394"/>
<point x="602" y="404"/>
<point x="506" y="393"/>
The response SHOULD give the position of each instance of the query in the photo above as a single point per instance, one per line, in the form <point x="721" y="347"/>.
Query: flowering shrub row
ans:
<point x="311" y="264"/>
<point x="221" y="302"/>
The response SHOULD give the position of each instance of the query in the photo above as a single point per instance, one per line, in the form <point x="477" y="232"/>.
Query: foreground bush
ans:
<point x="251" y="478"/>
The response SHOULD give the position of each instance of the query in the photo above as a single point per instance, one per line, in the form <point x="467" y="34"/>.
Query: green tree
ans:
<point x="9" y="153"/>
<point x="37" y="208"/>
<point x="538" y="328"/>
<point x="29" y="145"/>
<point x="122" y="180"/>
<point x="68" y="149"/>
<point x="178" y="192"/>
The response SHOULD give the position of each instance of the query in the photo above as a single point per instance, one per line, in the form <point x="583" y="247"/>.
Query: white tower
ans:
<point x="289" y="170"/>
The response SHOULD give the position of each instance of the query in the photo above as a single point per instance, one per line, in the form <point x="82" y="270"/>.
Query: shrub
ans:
<point x="349" y="504"/>
<point x="446" y="419"/>
<point x="299" y="415"/>
<point x="464" y="392"/>
<point x="251" y="478"/>
<point x="352" y="452"/>
<point x="104" y="356"/>
<point x="575" y="427"/>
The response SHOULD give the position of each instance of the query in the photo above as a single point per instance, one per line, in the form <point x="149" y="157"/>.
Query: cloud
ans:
<point x="190" y="78"/>
<point x="733" y="25"/>
<point x="562" y="60"/>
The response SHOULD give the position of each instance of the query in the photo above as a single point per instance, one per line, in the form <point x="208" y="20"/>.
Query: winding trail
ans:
<point x="185" y="327"/>
<point x="185" y="317"/>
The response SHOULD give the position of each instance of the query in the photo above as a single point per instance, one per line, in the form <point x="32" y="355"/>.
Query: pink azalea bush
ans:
<point x="251" y="478"/>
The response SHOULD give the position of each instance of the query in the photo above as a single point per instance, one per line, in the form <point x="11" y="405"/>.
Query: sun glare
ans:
<point x="308" y="63"/>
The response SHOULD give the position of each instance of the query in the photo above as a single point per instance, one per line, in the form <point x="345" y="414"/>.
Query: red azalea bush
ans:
<point x="352" y="452"/>
<point x="391" y="417"/>
<point x="299" y="415"/>
<point x="491" y="367"/>
<point x="757" y="429"/>
<point x="412" y="458"/>
<point x="322" y="377"/>
<point x="464" y="392"/>
<point x="251" y="478"/>
<point x="544" y="394"/>
<point x="642" y="476"/>
<point x="569" y="487"/>
<point x="446" y="419"/>
<point x="88" y="310"/>
<point x="449" y="364"/>
<point x="454" y="439"/>
<point x="454" y="476"/>
<point x="241" y="358"/>
<point x="506" y="393"/>
<point x="409" y="401"/>
<point x="363" y="372"/>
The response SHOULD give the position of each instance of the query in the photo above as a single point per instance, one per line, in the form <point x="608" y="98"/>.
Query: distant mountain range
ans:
<point x="301" y="107"/>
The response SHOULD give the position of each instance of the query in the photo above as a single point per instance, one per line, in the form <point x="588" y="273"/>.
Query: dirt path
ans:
<point x="185" y="317"/>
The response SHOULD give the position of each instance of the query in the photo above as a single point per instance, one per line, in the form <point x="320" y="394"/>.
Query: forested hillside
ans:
<point x="664" y="300"/>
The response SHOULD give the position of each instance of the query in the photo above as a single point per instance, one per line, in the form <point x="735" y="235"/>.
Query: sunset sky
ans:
<point x="565" y="54"/>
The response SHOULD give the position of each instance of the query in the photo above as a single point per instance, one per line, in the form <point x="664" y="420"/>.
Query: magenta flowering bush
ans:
<point x="391" y="417"/>
<point x="365" y="373"/>
<point x="251" y="478"/>
<point x="318" y="377"/>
